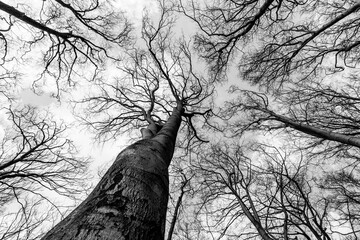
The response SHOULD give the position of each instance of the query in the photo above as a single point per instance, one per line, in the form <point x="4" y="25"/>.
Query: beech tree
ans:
<point x="36" y="161"/>
<point x="289" y="60"/>
<point x="317" y="113"/>
<point x="159" y="87"/>
<point x="174" y="91"/>
<point x="60" y="43"/>
<point x="256" y="191"/>
<point x="292" y="50"/>
<point x="68" y="36"/>
<point x="278" y="38"/>
<point x="300" y="57"/>
<point x="224" y="24"/>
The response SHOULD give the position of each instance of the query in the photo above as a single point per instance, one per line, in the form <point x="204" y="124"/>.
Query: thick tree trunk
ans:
<point x="130" y="201"/>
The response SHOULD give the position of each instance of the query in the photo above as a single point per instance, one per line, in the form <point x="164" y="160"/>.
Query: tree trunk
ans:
<point x="317" y="132"/>
<point x="22" y="16"/>
<point x="130" y="201"/>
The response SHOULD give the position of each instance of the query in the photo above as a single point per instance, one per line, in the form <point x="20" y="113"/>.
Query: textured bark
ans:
<point x="130" y="201"/>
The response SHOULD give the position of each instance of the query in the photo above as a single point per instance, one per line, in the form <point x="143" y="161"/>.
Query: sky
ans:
<point x="102" y="154"/>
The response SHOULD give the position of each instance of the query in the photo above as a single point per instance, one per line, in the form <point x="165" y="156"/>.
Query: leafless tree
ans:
<point x="344" y="195"/>
<point x="319" y="111"/>
<point x="295" y="50"/>
<point x="320" y="120"/>
<point x="261" y="192"/>
<point x="151" y="81"/>
<point x="69" y="34"/>
<point x="156" y="90"/>
<point x="185" y="181"/>
<point x="309" y="66"/>
<point x="36" y="161"/>
<point x="224" y="24"/>
<point x="282" y="41"/>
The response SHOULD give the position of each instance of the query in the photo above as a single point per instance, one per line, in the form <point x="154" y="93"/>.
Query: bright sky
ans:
<point x="102" y="154"/>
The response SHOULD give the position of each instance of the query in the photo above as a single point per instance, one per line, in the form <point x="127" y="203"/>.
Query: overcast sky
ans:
<point x="101" y="154"/>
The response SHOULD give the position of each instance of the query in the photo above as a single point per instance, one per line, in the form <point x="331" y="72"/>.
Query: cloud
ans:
<point x="29" y="97"/>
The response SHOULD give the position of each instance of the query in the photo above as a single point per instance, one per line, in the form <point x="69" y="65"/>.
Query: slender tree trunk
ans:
<point x="130" y="201"/>
<point x="317" y="132"/>
<point x="22" y="16"/>
<point x="177" y="208"/>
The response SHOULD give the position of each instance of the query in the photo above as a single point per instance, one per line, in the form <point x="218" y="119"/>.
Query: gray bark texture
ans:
<point x="130" y="201"/>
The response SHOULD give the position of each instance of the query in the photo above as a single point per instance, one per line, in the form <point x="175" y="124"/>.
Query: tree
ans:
<point x="130" y="201"/>
<point x="343" y="186"/>
<point x="291" y="57"/>
<point x="303" y="65"/>
<point x="287" y="35"/>
<point x="71" y="41"/>
<point x="224" y="24"/>
<point x="159" y="91"/>
<point x="70" y="34"/>
<point x="255" y="191"/>
<point x="318" y="111"/>
<point x="185" y="181"/>
<point x="36" y="161"/>
<point x="291" y="51"/>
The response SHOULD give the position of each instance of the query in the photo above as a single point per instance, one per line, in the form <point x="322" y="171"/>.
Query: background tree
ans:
<point x="290" y="60"/>
<point x="287" y="37"/>
<point x="282" y="49"/>
<point x="301" y="58"/>
<point x="37" y="162"/>
<point x="227" y="24"/>
<point x="260" y="192"/>
<point x="290" y="57"/>
<point x="67" y="35"/>
<point x="321" y="112"/>
<point x="178" y="203"/>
